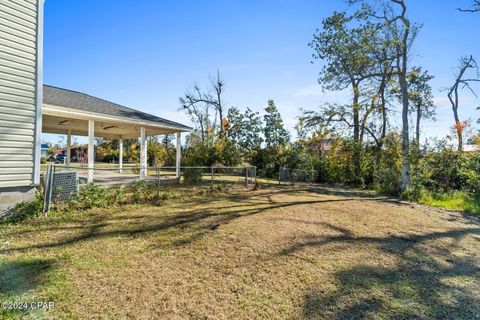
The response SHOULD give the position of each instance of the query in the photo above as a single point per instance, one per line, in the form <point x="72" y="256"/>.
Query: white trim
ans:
<point x="91" y="150"/>
<point x="54" y="110"/>
<point x="69" y="147"/>
<point x="143" y="154"/>
<point x="179" y="154"/>
<point x="120" y="155"/>
<point x="37" y="146"/>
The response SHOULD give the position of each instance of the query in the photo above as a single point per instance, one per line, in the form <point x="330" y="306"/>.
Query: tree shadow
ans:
<point x="196" y="220"/>
<point x="424" y="284"/>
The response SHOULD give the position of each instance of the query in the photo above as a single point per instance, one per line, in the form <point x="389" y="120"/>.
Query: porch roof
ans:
<point x="66" y="109"/>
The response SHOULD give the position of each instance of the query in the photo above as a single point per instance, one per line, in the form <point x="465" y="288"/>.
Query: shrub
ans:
<point x="388" y="175"/>
<point x="94" y="195"/>
<point x="192" y="175"/>
<point x="24" y="210"/>
<point x="141" y="192"/>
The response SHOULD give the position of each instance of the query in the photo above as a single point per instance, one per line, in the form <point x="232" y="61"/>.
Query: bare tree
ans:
<point x="461" y="82"/>
<point x="197" y="110"/>
<point x="216" y="101"/>
<point x="197" y="105"/>
<point x="475" y="7"/>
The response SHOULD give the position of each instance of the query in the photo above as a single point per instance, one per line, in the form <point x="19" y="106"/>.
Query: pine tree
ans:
<point x="274" y="131"/>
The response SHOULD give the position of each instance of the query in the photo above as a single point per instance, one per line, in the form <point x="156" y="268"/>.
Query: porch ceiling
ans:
<point x="65" y="110"/>
<point x="103" y="128"/>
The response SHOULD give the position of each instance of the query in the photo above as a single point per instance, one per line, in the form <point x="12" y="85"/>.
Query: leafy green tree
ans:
<point x="156" y="152"/>
<point x="244" y="130"/>
<point x="167" y="143"/>
<point x="421" y="97"/>
<point x="274" y="131"/>
<point x="354" y="51"/>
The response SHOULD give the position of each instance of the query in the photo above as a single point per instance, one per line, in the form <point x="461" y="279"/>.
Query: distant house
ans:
<point x="77" y="153"/>
<point x="28" y="108"/>
<point x="44" y="150"/>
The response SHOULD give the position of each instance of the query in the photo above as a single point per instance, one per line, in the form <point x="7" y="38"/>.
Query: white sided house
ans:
<point x="28" y="108"/>
<point x="20" y="98"/>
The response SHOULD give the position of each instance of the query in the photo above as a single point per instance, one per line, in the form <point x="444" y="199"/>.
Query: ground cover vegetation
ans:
<point x="302" y="252"/>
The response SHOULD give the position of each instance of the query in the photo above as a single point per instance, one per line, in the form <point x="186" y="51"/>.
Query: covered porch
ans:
<point x="73" y="113"/>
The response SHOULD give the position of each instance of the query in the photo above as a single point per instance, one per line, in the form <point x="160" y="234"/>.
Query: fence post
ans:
<point x="246" y="176"/>
<point x="279" y="175"/>
<point x="50" y="189"/>
<point x="158" y="184"/>
<point x="212" y="175"/>
<point x="46" y="187"/>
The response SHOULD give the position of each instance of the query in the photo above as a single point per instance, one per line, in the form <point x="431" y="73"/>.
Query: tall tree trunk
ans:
<point x="417" y="129"/>
<point x="356" y="134"/>
<point x="459" y="128"/>
<point x="222" y="126"/>
<point x="402" y="67"/>
<point x="405" y="130"/>
<point x="383" y="134"/>
<point x="458" y="123"/>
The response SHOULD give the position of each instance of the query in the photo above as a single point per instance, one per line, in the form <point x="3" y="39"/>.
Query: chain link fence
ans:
<point x="61" y="182"/>
<point x="292" y="176"/>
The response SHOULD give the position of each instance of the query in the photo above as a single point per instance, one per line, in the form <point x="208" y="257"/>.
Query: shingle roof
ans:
<point x="81" y="101"/>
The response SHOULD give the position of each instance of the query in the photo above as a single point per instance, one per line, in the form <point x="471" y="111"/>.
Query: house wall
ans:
<point x="20" y="98"/>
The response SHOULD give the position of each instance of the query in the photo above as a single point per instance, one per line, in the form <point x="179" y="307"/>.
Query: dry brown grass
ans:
<point x="281" y="252"/>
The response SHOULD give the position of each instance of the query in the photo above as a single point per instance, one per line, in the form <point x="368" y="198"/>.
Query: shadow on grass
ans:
<point x="195" y="220"/>
<point x="423" y="285"/>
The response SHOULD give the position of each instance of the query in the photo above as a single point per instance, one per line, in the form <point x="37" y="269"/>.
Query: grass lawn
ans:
<point x="279" y="253"/>
<point x="455" y="201"/>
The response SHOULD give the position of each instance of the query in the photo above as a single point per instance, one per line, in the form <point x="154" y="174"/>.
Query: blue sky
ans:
<point x="145" y="53"/>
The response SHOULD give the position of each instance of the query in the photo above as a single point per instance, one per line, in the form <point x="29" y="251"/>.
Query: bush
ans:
<point x="24" y="210"/>
<point x="94" y="195"/>
<point x="43" y="160"/>
<point x="192" y="175"/>
<point x="141" y="192"/>
<point x="389" y="172"/>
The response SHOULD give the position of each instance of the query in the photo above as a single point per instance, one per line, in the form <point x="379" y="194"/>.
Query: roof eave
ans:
<point x="50" y="109"/>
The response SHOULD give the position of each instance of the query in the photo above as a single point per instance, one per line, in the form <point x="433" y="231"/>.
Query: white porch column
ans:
<point x="179" y="154"/>
<point x="91" y="153"/>
<point x="69" y="144"/>
<point x="143" y="154"/>
<point x="120" y="155"/>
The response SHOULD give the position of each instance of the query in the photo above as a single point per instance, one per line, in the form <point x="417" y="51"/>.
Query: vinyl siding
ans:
<point x="18" y="67"/>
